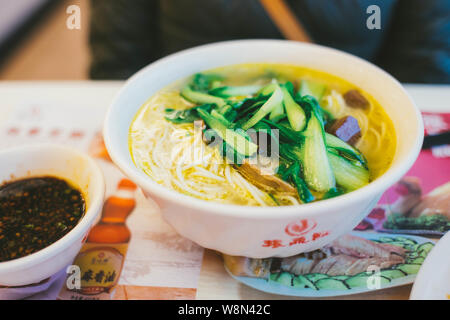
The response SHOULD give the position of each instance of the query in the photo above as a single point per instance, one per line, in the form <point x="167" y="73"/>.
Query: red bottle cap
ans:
<point x="126" y="184"/>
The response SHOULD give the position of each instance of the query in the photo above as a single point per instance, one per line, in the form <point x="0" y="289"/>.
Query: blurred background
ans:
<point x="35" y="43"/>
<point x="413" y="42"/>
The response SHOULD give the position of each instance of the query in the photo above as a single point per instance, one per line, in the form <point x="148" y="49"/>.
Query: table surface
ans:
<point x="214" y="282"/>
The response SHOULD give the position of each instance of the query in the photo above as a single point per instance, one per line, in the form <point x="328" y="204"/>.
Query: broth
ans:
<point x="160" y="147"/>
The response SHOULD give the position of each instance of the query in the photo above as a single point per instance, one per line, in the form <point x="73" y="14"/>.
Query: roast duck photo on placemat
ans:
<point x="415" y="211"/>
<point x="343" y="264"/>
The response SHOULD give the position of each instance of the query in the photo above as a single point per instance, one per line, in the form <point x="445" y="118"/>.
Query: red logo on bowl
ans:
<point x="298" y="231"/>
<point x="300" y="227"/>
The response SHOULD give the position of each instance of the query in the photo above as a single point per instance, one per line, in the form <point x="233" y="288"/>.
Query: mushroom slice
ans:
<point x="265" y="178"/>
<point x="353" y="98"/>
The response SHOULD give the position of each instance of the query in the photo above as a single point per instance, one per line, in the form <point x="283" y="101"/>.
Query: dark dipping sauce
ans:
<point x="36" y="212"/>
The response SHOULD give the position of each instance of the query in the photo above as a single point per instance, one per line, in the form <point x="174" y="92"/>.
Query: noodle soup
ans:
<point x="328" y="137"/>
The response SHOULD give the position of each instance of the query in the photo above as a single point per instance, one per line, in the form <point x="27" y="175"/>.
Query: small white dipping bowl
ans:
<point x="68" y="164"/>
<point x="260" y="232"/>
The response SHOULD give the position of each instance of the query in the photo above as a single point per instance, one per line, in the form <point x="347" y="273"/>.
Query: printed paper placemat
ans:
<point x="158" y="263"/>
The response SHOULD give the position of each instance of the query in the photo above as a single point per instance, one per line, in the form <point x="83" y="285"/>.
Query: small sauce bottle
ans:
<point x="102" y="256"/>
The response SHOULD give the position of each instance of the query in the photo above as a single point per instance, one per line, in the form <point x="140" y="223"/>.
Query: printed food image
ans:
<point x="262" y="135"/>
<point x="34" y="213"/>
<point x="412" y="211"/>
<point x="342" y="265"/>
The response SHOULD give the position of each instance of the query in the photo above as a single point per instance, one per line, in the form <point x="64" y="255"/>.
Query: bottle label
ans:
<point x="100" y="267"/>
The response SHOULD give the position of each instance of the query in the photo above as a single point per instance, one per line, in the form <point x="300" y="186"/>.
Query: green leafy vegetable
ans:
<point x="274" y="100"/>
<point x="435" y="222"/>
<point x="267" y="90"/>
<point x="228" y="91"/>
<point x="200" y="98"/>
<point x="348" y="175"/>
<point x="295" y="113"/>
<point x="186" y="115"/>
<point x="316" y="166"/>
<point x="311" y="88"/>
<point x="293" y="124"/>
<point x="339" y="145"/>
<point x="332" y="193"/>
<point x="302" y="189"/>
<point x="221" y="118"/>
<point x="239" y="142"/>
<point x="204" y="82"/>
<point x="286" y="133"/>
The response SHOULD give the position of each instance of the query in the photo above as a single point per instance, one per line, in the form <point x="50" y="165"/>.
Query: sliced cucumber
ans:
<point x="239" y="143"/>
<point x="408" y="240"/>
<point x="405" y="241"/>
<point x="392" y="273"/>
<point x="200" y="97"/>
<point x="273" y="277"/>
<point x="285" y="278"/>
<point x="311" y="88"/>
<point x="348" y="175"/>
<point x="409" y="268"/>
<point x="302" y="281"/>
<point x="418" y="260"/>
<point x="313" y="154"/>
<point x="357" y="281"/>
<point x="331" y="284"/>
<point x="229" y="91"/>
<point x="316" y="276"/>
<point x="274" y="100"/>
<point x="425" y="247"/>
<point x="295" y="113"/>
<point x="402" y="244"/>
<point x="340" y="277"/>
<point x="422" y="253"/>
<point x="413" y="254"/>
<point x="361" y="279"/>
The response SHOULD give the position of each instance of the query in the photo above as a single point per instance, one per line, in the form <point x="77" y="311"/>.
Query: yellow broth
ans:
<point x="154" y="142"/>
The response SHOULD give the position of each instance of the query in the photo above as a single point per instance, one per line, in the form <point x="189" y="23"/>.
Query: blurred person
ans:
<point x="413" y="43"/>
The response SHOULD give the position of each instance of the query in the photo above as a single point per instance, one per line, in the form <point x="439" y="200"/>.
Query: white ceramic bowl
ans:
<point x="71" y="165"/>
<point x="270" y="231"/>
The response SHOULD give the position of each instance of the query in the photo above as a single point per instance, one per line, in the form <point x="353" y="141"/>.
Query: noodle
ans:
<point x="175" y="155"/>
